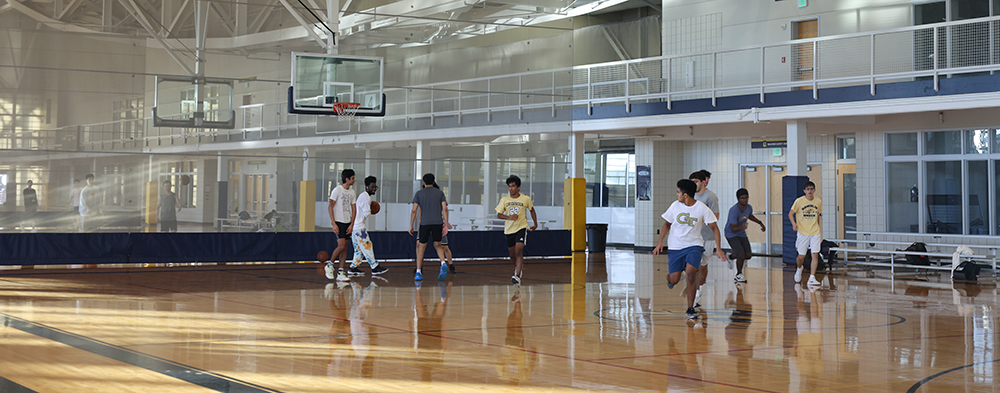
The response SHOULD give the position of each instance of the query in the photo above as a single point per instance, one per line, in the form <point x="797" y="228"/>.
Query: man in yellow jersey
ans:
<point x="512" y="209"/>
<point x="806" y="217"/>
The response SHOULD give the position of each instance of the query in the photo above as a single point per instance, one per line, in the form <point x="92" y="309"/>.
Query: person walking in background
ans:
<point x="91" y="205"/>
<point x="737" y="222"/>
<point x="167" y="208"/>
<point x="30" y="206"/>
<point x="706" y="196"/>
<point x="362" y="243"/>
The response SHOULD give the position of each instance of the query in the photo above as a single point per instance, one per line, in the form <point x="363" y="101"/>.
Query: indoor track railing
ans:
<point x="926" y="52"/>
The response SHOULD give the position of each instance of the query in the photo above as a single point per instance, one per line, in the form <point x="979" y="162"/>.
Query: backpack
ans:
<point x="967" y="270"/>
<point x="808" y="261"/>
<point x="826" y="252"/>
<point x="917" y="259"/>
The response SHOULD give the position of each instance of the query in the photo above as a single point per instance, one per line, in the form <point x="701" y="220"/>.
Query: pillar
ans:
<point x="792" y="185"/>
<point x="307" y="194"/>
<point x="222" y="193"/>
<point x="575" y="194"/>
<point x="489" y="182"/>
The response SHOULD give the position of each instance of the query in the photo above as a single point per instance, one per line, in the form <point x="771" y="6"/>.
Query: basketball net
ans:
<point x="346" y="110"/>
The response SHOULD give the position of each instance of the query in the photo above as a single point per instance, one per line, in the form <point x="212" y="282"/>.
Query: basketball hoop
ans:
<point x="346" y="110"/>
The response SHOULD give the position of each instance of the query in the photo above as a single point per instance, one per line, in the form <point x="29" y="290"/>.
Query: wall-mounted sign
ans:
<point x="642" y="182"/>
<point x="768" y="143"/>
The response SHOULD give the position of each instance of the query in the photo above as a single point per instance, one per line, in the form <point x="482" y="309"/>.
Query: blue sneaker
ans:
<point x="418" y="277"/>
<point x="443" y="274"/>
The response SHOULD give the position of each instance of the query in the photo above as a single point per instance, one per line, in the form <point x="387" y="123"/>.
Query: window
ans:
<point x="610" y="179"/>
<point x="845" y="148"/>
<point x="946" y="189"/>
<point x="183" y="175"/>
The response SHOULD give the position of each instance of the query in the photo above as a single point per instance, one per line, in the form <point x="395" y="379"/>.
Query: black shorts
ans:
<point x="517" y="237"/>
<point x="740" y="246"/>
<point x="430" y="231"/>
<point x="344" y="234"/>
<point x="168" y="225"/>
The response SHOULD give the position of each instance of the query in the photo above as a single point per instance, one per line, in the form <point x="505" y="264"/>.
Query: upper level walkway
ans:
<point x="912" y="69"/>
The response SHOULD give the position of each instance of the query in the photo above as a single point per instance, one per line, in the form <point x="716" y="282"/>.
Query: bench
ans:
<point x="867" y="248"/>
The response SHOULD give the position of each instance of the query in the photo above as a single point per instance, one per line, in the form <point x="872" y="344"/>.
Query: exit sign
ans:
<point x="803" y="3"/>
<point x="777" y="152"/>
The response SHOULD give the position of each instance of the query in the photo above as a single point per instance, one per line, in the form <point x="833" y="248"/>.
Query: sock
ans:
<point x="443" y="263"/>
<point x="418" y="271"/>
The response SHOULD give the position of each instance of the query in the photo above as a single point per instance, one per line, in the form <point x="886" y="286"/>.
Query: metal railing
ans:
<point x="904" y="54"/>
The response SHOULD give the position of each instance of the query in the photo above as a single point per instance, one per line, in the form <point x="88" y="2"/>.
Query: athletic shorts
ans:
<point x="517" y="237"/>
<point x="167" y="225"/>
<point x="344" y="234"/>
<point x="805" y="243"/>
<point x="677" y="259"/>
<point x="740" y="246"/>
<point x="430" y="231"/>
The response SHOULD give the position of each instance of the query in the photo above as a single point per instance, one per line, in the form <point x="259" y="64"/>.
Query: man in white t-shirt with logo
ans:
<point x="342" y="213"/>
<point x="684" y="220"/>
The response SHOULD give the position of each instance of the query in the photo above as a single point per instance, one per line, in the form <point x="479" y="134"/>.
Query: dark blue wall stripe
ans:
<point x="188" y="374"/>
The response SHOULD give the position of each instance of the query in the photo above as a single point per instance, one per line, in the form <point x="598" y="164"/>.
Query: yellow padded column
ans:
<point x="575" y="212"/>
<point x="307" y="206"/>
<point x="152" y="198"/>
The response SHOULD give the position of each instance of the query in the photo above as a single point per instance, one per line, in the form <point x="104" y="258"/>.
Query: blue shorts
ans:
<point x="676" y="259"/>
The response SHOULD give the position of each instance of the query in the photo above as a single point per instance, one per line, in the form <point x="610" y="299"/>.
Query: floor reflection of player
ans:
<point x="363" y="336"/>
<point x="341" y="352"/>
<point x="516" y="361"/>
<point x="429" y="334"/>
<point x="736" y="333"/>
<point x="809" y="350"/>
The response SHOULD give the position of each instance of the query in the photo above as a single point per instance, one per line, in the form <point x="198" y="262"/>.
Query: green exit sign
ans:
<point x="803" y="3"/>
<point x="777" y="152"/>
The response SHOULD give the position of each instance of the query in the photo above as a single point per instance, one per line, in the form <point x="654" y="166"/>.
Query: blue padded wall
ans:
<point x="791" y="189"/>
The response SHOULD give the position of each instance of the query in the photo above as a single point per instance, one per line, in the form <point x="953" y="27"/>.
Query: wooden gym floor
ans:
<point x="573" y="324"/>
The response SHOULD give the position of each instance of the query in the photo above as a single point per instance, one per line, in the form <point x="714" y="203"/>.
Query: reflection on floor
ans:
<point x="608" y="323"/>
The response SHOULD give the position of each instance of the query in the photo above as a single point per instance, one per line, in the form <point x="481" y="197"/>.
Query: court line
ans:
<point x="204" y="378"/>
<point x="924" y="381"/>
<point x="469" y="341"/>
<point x="8" y="386"/>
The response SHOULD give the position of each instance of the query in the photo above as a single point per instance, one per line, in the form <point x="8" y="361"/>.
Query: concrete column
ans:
<point x="797" y="148"/>
<point x="222" y="190"/>
<point x="308" y="169"/>
<point x="368" y="163"/>
<point x="575" y="192"/>
<point x="418" y="167"/>
<point x="576" y="150"/>
<point x="489" y="182"/>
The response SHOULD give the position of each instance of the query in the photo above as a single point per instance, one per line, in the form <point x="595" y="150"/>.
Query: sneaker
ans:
<point x="443" y="273"/>
<point x="418" y="277"/>
<point x="355" y="272"/>
<point x="515" y="280"/>
<point x="331" y="272"/>
<point x="691" y="314"/>
<point x="740" y="278"/>
<point x="379" y="269"/>
<point x="451" y="269"/>
<point x="798" y="275"/>
<point x="670" y="286"/>
<point x="342" y="276"/>
<point x="813" y="282"/>
<point x="697" y="305"/>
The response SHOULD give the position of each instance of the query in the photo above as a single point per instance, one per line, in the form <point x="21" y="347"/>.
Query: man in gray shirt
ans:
<point x="433" y="221"/>
<point x="706" y="196"/>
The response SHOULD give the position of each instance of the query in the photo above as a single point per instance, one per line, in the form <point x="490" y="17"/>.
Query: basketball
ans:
<point x="375" y="207"/>
<point x="185" y="180"/>
<point x="323" y="256"/>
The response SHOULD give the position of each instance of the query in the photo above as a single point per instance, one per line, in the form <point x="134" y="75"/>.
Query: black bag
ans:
<point x="917" y="259"/>
<point x="808" y="261"/>
<point x="826" y="252"/>
<point x="967" y="270"/>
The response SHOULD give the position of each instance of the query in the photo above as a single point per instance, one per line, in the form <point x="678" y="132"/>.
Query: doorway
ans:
<point x="804" y="56"/>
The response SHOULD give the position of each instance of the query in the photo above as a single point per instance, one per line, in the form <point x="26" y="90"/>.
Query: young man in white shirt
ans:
<point x="684" y="220"/>
<point x="362" y="244"/>
<point x="342" y="213"/>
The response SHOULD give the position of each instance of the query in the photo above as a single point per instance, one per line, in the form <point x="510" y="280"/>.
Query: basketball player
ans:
<point x="342" y="213"/>
<point x="433" y="220"/>
<point x="362" y="244"/>
<point x="512" y="208"/>
<point x="706" y="196"/>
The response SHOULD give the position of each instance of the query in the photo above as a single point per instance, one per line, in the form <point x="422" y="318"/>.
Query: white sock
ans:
<point x="418" y="271"/>
<point x="443" y="263"/>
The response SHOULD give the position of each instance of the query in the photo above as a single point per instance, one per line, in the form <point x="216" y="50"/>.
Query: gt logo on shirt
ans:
<point x="686" y="219"/>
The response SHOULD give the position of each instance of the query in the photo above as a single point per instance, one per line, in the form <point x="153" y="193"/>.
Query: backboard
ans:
<point x="176" y="99"/>
<point x="320" y="80"/>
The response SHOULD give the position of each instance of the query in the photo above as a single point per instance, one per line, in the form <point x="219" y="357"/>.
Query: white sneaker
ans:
<point x="331" y="272"/>
<point x="740" y="278"/>
<point x="798" y="275"/>
<point x="813" y="282"/>
<point x="341" y="276"/>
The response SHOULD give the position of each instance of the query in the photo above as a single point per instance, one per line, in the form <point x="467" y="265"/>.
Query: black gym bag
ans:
<point x="967" y="270"/>
<point x="917" y="259"/>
